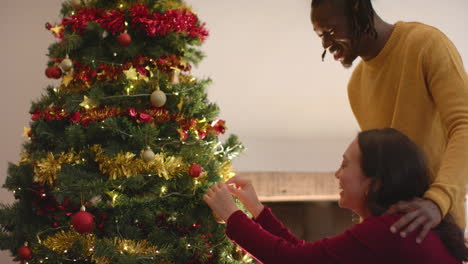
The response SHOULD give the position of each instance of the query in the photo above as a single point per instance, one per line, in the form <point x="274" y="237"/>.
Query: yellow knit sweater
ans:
<point x="417" y="84"/>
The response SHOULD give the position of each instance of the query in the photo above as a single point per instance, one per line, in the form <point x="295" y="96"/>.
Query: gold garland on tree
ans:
<point x="225" y="171"/>
<point x="141" y="247"/>
<point x="63" y="241"/>
<point x="47" y="169"/>
<point x="125" y="165"/>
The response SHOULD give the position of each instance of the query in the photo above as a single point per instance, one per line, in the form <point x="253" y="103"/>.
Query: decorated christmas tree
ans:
<point x="123" y="147"/>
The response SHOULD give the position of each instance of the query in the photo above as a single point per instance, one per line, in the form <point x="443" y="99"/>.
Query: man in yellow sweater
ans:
<point x="411" y="77"/>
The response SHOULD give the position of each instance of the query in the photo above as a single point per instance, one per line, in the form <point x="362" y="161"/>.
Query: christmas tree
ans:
<point x="122" y="149"/>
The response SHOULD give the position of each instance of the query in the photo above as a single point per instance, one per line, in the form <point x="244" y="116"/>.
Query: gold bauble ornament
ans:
<point x="148" y="155"/>
<point x="158" y="98"/>
<point x="66" y="64"/>
<point x="175" y="77"/>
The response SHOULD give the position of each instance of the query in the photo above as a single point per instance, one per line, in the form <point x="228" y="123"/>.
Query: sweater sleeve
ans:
<point x="271" y="224"/>
<point x="448" y="85"/>
<point x="271" y="249"/>
<point x="368" y="242"/>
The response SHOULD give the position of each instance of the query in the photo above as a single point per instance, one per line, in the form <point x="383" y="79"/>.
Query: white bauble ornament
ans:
<point x="66" y="64"/>
<point x="148" y="155"/>
<point x="158" y="98"/>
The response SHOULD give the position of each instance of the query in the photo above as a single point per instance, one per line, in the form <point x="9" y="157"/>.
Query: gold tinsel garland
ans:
<point x="47" y="169"/>
<point x="62" y="241"/>
<point x="132" y="247"/>
<point x="125" y="165"/>
<point x="226" y="172"/>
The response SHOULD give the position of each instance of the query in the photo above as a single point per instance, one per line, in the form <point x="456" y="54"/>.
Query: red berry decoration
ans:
<point x="195" y="170"/>
<point x="125" y="39"/>
<point x="53" y="72"/>
<point x="83" y="222"/>
<point x="25" y="252"/>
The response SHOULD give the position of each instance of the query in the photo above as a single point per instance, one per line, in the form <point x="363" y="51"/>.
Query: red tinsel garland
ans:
<point x="113" y="21"/>
<point x="79" y="22"/>
<point x="153" y="115"/>
<point x="166" y="63"/>
<point x="179" y="21"/>
<point x="103" y="72"/>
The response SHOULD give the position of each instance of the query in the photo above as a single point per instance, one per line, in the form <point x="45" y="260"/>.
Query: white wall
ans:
<point x="288" y="107"/>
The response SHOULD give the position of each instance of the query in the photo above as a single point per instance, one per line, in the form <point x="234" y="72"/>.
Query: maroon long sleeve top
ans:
<point x="371" y="241"/>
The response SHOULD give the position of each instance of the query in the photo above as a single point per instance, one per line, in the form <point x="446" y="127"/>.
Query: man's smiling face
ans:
<point x="333" y="26"/>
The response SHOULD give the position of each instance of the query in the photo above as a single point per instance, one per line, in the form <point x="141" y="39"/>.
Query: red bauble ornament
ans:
<point x="83" y="222"/>
<point x="25" y="252"/>
<point x="195" y="170"/>
<point x="124" y="39"/>
<point x="53" y="72"/>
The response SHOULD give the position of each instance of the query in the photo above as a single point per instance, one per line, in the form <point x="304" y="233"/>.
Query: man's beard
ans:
<point x="346" y="65"/>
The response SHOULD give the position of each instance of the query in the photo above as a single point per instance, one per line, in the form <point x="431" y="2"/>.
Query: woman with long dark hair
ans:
<point x="380" y="167"/>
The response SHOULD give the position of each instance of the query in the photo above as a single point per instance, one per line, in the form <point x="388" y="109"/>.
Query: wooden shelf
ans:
<point x="294" y="186"/>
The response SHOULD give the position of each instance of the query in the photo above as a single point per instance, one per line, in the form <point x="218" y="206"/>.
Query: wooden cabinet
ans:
<point x="294" y="186"/>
